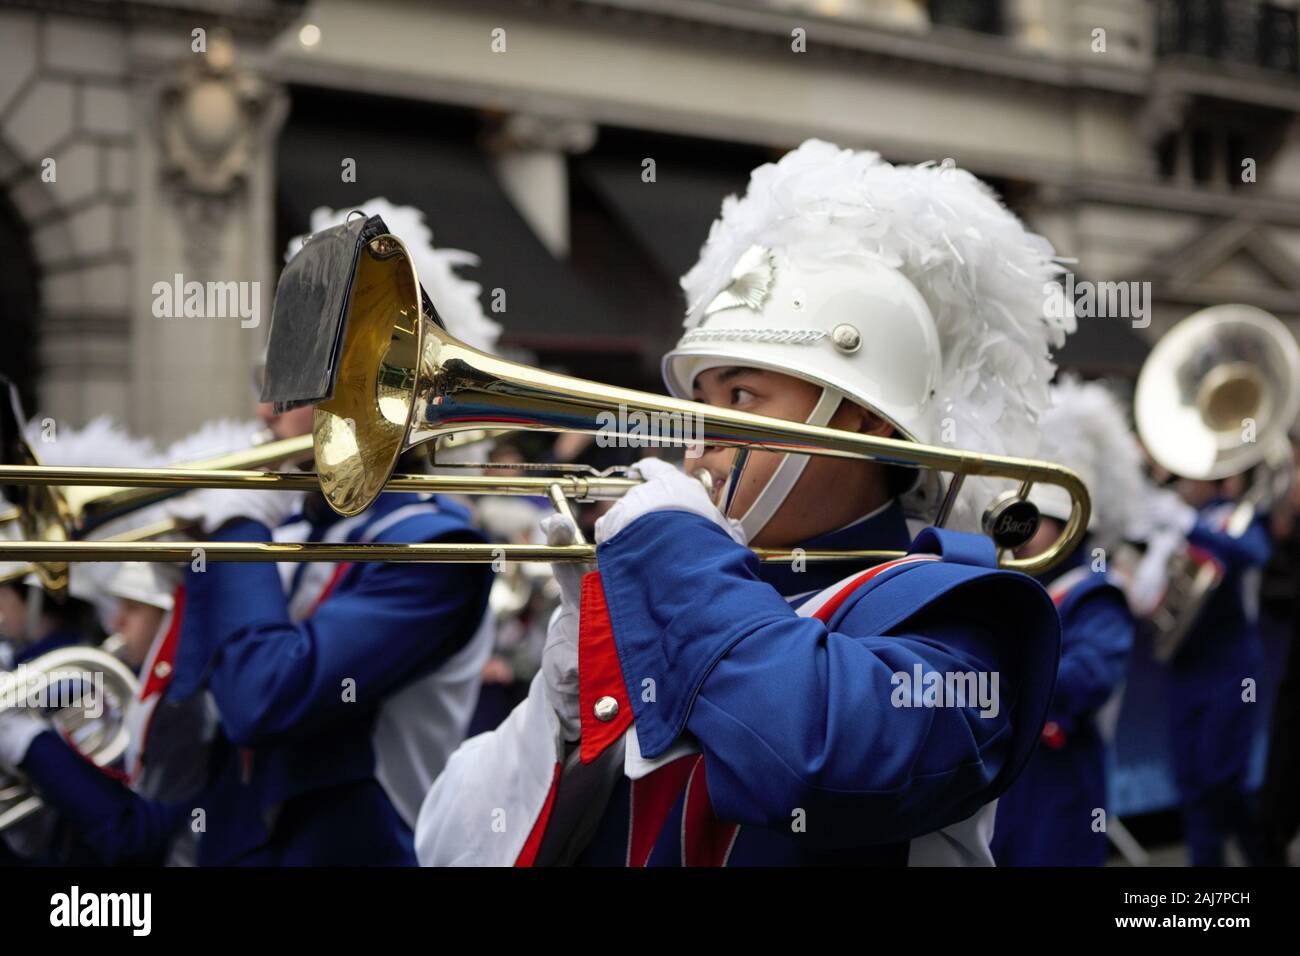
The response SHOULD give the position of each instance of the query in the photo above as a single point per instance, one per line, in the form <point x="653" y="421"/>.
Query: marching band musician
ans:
<point x="94" y="590"/>
<point x="1054" y="814"/>
<point x="1212" y="723"/>
<point x="697" y="707"/>
<point x="33" y="622"/>
<point x="340" y="689"/>
<point x="141" y="596"/>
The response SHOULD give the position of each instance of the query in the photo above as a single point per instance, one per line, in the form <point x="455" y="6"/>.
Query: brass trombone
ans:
<point x="62" y="512"/>
<point x="355" y="334"/>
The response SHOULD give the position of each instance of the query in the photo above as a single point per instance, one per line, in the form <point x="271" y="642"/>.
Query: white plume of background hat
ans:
<point x="456" y="298"/>
<point x="1086" y="430"/>
<point x="981" y="273"/>
<point x="104" y="442"/>
<point x="218" y="437"/>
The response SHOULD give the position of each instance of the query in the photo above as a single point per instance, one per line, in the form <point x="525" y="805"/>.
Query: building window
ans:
<point x="1208" y="152"/>
<point x="1231" y="31"/>
<point x="982" y="16"/>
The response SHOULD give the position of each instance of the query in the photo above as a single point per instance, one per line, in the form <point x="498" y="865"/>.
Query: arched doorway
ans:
<point x="19" y="303"/>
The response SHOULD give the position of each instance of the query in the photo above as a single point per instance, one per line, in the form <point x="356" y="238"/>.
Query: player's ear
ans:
<point x="866" y="422"/>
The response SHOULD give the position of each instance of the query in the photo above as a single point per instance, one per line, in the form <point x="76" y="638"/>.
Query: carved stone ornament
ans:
<point x="209" y="121"/>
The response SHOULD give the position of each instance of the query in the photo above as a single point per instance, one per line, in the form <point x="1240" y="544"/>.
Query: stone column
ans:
<point x="206" y="123"/>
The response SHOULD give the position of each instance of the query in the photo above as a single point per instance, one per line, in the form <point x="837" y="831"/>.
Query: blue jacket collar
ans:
<point x="884" y="529"/>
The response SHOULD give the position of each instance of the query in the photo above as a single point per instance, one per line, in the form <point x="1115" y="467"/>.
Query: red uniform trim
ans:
<point x="599" y="672"/>
<point x="533" y="844"/>
<point x="330" y="585"/>
<point x="154" y="683"/>
<point x="1203" y="557"/>
<point x="652" y="799"/>
<point x="108" y="771"/>
<point x="706" y="840"/>
<point x="824" y="612"/>
<point x="1053" y="736"/>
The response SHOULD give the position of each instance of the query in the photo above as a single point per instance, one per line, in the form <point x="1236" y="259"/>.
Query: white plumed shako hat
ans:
<point x="856" y="326"/>
<point x="1086" y="429"/>
<point x="909" y="290"/>
<point x="456" y="298"/>
<point x="150" y="584"/>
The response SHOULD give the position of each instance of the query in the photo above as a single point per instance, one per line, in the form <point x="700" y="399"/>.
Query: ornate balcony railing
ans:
<point x="1248" y="32"/>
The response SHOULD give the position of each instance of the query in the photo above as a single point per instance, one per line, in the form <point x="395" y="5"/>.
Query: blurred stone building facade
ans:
<point x="1154" y="141"/>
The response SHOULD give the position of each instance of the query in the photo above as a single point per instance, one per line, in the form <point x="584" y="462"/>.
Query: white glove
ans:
<point x="560" y="654"/>
<point x="666" y="488"/>
<point x="1166" y="510"/>
<point x="18" y="728"/>
<point x="1150" y="578"/>
<point x="210" y="508"/>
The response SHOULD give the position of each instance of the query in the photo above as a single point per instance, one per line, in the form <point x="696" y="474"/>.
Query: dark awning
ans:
<point x="669" y="217"/>
<point x="1104" y="347"/>
<point x="427" y="157"/>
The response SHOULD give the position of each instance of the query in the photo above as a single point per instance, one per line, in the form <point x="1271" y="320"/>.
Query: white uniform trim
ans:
<point x="1067" y="582"/>
<point x="483" y="807"/>
<point x="783" y="479"/>
<point x="418" y="727"/>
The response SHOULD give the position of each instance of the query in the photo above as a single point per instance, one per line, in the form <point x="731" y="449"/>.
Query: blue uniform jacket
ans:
<point x="1212" y="729"/>
<point x="53" y="641"/>
<point x="62" y="850"/>
<point x="1048" y="816"/>
<point x="1226" y="635"/>
<point x="292" y="780"/>
<point x="804" y="744"/>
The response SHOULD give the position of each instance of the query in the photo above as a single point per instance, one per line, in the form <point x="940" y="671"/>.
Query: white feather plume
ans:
<point x="103" y="442"/>
<point x="982" y="274"/>
<point x="1086" y="429"/>
<point x="211" y="440"/>
<point x="456" y="298"/>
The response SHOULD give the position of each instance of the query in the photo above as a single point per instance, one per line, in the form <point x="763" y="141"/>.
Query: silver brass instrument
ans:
<point x="76" y="680"/>
<point x="394" y="378"/>
<point x="1216" y="398"/>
